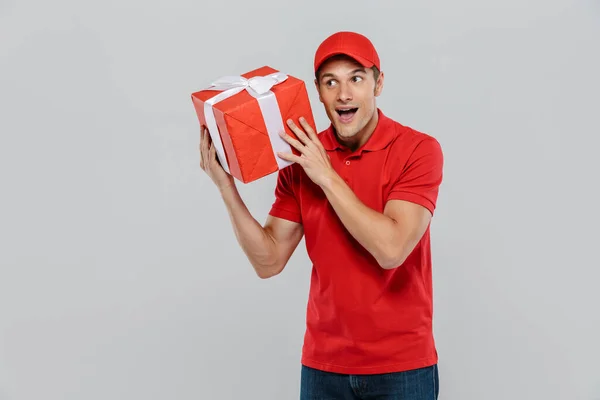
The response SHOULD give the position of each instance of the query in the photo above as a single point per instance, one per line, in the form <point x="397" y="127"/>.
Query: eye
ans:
<point x="330" y="83"/>
<point x="356" y="78"/>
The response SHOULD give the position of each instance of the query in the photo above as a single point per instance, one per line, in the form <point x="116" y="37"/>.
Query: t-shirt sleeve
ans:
<point x="286" y="205"/>
<point x="421" y="177"/>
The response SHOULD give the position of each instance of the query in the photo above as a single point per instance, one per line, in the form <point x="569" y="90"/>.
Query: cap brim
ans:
<point x="361" y="60"/>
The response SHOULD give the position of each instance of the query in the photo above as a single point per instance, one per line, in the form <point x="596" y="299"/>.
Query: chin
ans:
<point x="351" y="130"/>
<point x="345" y="132"/>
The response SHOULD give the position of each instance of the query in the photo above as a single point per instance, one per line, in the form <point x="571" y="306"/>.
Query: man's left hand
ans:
<point x="313" y="156"/>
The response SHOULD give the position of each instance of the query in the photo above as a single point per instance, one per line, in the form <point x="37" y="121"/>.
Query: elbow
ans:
<point x="266" y="274"/>
<point x="391" y="259"/>
<point x="391" y="264"/>
<point x="267" y="271"/>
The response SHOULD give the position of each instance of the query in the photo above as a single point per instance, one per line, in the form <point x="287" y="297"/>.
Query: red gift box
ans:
<point x="245" y="114"/>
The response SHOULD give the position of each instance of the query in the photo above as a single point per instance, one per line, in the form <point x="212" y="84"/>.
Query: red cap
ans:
<point x="351" y="44"/>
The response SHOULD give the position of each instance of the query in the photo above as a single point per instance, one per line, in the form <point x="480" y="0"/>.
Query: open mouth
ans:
<point x="346" y="114"/>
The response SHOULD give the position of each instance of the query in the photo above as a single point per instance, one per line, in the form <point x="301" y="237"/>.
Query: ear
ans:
<point x="318" y="90"/>
<point x="379" y="84"/>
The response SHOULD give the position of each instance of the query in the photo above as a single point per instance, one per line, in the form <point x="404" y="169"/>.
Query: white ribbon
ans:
<point x="259" y="87"/>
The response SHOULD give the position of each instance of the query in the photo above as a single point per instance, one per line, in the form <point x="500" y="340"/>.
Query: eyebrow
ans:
<point x="330" y="75"/>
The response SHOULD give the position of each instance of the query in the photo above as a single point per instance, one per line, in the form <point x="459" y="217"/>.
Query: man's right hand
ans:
<point x="210" y="163"/>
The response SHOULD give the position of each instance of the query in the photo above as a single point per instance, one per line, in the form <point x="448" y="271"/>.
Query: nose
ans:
<point x="344" y="93"/>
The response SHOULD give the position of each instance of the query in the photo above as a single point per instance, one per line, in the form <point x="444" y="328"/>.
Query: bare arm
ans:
<point x="268" y="248"/>
<point x="389" y="236"/>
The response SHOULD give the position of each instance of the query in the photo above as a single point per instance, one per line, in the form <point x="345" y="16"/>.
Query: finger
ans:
<point x="299" y="132"/>
<point x="212" y="154"/>
<point x="205" y="147"/>
<point x="312" y="135"/>
<point x="293" y="142"/>
<point x="207" y="138"/>
<point x="200" y="145"/>
<point x="311" y="141"/>
<point x="291" y="157"/>
<point x="309" y="130"/>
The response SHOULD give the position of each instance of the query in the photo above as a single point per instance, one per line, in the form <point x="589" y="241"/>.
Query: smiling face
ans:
<point x="348" y="92"/>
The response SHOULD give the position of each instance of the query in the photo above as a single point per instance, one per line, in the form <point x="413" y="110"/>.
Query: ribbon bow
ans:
<point x="256" y="86"/>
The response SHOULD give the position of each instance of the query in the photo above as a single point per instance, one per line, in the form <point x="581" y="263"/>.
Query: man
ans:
<point x="363" y="193"/>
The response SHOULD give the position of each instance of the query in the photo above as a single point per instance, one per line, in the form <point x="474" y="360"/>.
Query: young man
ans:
<point x="363" y="193"/>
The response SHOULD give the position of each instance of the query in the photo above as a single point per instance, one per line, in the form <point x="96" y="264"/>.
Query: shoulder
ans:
<point x="409" y="142"/>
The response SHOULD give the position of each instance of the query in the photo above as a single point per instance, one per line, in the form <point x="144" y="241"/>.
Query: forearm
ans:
<point x="255" y="241"/>
<point x="375" y="231"/>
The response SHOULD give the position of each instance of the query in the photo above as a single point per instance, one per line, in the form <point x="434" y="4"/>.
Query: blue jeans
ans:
<point x="417" y="384"/>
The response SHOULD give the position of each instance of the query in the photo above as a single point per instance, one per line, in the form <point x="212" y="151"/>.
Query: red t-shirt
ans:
<point x="361" y="318"/>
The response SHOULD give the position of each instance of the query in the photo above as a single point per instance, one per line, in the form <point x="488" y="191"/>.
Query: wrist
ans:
<point x="227" y="189"/>
<point x="330" y="181"/>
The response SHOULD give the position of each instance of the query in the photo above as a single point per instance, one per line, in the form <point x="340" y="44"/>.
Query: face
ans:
<point x="348" y="92"/>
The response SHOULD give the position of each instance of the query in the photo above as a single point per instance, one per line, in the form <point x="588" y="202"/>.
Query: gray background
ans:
<point x="120" y="277"/>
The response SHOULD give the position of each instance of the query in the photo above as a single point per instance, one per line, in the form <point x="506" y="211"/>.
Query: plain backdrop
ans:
<point x="120" y="276"/>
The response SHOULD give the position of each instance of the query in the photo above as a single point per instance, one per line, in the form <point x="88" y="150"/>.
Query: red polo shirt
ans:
<point x="362" y="319"/>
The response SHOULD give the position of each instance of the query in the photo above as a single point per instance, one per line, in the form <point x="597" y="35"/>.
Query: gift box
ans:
<point x="245" y="114"/>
